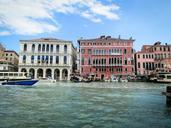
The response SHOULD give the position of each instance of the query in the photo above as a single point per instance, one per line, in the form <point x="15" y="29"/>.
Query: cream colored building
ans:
<point x="47" y="58"/>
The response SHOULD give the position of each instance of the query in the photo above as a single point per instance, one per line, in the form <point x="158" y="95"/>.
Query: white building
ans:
<point x="47" y="58"/>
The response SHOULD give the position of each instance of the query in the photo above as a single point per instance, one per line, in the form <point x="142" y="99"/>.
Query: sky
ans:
<point x="146" y="21"/>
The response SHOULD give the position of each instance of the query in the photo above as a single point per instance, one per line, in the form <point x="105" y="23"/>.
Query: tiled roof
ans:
<point x="108" y="38"/>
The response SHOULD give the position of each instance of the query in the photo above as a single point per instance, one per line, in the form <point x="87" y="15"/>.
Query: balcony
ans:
<point x="106" y="65"/>
<point x="45" y="65"/>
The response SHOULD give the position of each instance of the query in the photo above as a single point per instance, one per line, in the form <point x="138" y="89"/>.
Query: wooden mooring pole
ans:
<point x="168" y="96"/>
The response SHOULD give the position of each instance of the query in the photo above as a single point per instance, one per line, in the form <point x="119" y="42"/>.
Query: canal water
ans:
<point x="84" y="105"/>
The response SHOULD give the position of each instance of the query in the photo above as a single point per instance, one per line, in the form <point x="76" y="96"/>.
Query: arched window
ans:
<point x="39" y="47"/>
<point x="24" y="59"/>
<point x="65" y="48"/>
<point x="115" y="61"/>
<point x="51" y="59"/>
<point x="109" y="60"/>
<point x="43" y="48"/>
<point x="120" y="61"/>
<point x="89" y="61"/>
<point x="32" y="59"/>
<point x="47" y="48"/>
<point x="57" y="48"/>
<point x="82" y="61"/>
<point x="125" y="61"/>
<point x="120" y="51"/>
<point x="33" y="47"/>
<point x="57" y="59"/>
<point x="125" y="51"/>
<point x="65" y="59"/>
<point x="51" y="48"/>
<point x="25" y="47"/>
<point x="38" y="59"/>
<point x="47" y="59"/>
<point x="43" y="59"/>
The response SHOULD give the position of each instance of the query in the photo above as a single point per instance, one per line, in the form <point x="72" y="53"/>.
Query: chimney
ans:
<point x="157" y="43"/>
<point x="107" y="37"/>
<point x="102" y="37"/>
<point x="119" y="37"/>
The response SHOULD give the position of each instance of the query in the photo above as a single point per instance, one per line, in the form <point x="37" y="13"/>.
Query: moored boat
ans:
<point x="164" y="77"/>
<point x="16" y="78"/>
<point x="20" y="82"/>
<point x="114" y="79"/>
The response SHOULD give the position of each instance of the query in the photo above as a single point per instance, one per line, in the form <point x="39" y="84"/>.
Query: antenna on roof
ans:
<point x="119" y="37"/>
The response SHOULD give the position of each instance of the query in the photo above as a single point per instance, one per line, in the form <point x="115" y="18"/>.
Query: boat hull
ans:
<point x="21" y="82"/>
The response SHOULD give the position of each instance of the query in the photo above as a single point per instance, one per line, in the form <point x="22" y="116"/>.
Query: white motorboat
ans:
<point x="164" y="77"/>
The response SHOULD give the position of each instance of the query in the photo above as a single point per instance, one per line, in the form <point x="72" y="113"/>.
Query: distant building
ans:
<point x="153" y="58"/>
<point x="2" y="49"/>
<point x="106" y="56"/>
<point x="8" y="60"/>
<point x="47" y="58"/>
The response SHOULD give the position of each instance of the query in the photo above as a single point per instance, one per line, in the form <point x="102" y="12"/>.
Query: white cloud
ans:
<point x="29" y="17"/>
<point x="91" y="17"/>
<point x="4" y="33"/>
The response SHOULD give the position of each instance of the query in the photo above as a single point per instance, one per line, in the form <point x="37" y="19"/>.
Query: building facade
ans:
<point x="47" y="58"/>
<point x="153" y="58"/>
<point x="106" y="56"/>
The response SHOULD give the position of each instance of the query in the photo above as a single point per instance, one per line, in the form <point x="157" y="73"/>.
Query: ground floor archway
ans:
<point x="40" y="73"/>
<point x="32" y="73"/>
<point x="64" y="74"/>
<point x="57" y="74"/>
<point x="48" y="73"/>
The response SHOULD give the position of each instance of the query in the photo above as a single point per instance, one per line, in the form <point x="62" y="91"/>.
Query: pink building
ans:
<point x="153" y="58"/>
<point x="106" y="56"/>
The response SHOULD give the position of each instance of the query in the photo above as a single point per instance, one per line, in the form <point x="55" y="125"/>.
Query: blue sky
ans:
<point x="147" y="21"/>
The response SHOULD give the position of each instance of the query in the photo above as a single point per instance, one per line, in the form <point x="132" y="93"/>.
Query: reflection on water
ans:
<point x="85" y="105"/>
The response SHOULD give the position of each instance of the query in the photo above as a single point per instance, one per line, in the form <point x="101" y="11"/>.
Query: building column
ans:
<point x="35" y="73"/>
<point x="44" y="73"/>
<point x="52" y="73"/>
<point x="69" y="72"/>
<point x="60" y="77"/>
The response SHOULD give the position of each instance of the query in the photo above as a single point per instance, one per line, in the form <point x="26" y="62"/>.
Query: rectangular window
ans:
<point x="143" y="65"/>
<point x="89" y="61"/>
<point x="82" y="51"/>
<point x="125" y="61"/>
<point x="51" y="59"/>
<point x="138" y="56"/>
<point x="57" y="59"/>
<point x="89" y="51"/>
<point x="143" y="56"/>
<point x="139" y="65"/>
<point x="65" y="59"/>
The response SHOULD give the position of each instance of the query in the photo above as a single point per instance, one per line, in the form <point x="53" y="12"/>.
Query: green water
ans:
<point x="88" y="105"/>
